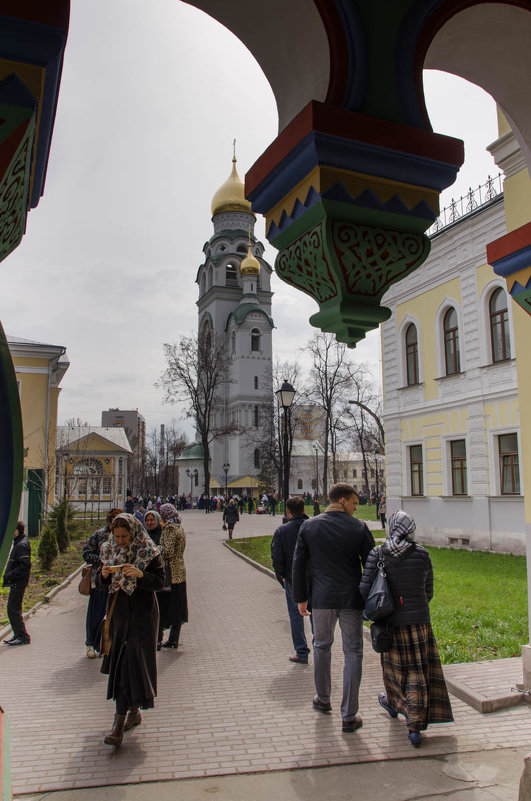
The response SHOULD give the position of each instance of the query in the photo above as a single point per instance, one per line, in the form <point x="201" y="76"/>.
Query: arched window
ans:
<point x="499" y="326"/>
<point x="255" y="339"/>
<point x="257" y="458"/>
<point x="255" y="417"/>
<point x="299" y="483"/>
<point x="451" y="343"/>
<point x="412" y="355"/>
<point x="256" y="382"/>
<point x="231" y="275"/>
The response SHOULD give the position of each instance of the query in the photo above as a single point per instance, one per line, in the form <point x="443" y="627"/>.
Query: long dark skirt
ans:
<point x="95" y="613"/>
<point x="173" y="606"/>
<point x="413" y="677"/>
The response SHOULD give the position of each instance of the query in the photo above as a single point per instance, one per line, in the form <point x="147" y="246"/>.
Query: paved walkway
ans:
<point x="229" y="701"/>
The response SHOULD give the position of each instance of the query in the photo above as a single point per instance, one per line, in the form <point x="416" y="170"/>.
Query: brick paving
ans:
<point x="229" y="701"/>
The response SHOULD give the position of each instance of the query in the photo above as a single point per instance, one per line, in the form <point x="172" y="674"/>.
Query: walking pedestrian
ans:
<point x="282" y="548"/>
<point x="330" y="552"/>
<point x="132" y="571"/>
<point x="231" y="516"/>
<point x="173" y="599"/>
<point x="382" y="511"/>
<point x="97" y="601"/>
<point x="16" y="577"/>
<point x="412" y="672"/>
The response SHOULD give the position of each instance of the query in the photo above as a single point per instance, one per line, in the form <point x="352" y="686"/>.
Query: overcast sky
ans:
<point x="148" y="108"/>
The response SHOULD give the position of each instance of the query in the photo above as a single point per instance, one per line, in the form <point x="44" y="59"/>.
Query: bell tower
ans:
<point x="235" y="302"/>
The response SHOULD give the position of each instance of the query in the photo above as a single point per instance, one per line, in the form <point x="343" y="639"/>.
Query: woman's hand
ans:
<point x="131" y="571"/>
<point x="106" y="571"/>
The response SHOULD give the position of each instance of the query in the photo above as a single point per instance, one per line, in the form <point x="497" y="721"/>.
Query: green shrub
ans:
<point x="58" y="513"/>
<point x="47" y="550"/>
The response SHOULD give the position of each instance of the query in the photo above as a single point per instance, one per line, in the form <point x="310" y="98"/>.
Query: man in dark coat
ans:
<point x="330" y="552"/>
<point x="282" y="548"/>
<point x="16" y="577"/>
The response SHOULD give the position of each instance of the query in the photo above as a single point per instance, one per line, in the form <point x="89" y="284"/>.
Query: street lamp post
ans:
<point x="226" y="467"/>
<point x="316" y="449"/>
<point x="285" y="396"/>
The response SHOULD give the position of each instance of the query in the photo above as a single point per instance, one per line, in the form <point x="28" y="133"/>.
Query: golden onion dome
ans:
<point x="231" y="195"/>
<point x="250" y="264"/>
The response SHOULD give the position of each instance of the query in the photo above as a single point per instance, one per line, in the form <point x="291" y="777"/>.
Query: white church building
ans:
<point x="235" y="302"/>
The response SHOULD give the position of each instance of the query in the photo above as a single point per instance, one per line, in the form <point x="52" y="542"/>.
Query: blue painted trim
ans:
<point x="517" y="288"/>
<point x="317" y="149"/>
<point x="513" y="262"/>
<point x="40" y="45"/>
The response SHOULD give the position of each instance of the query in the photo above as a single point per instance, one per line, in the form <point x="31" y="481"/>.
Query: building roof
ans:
<point x="231" y="195"/>
<point x="68" y="435"/>
<point x="306" y="447"/>
<point x="192" y="452"/>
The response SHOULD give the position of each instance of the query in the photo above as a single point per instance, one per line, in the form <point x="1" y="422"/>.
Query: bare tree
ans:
<point x="331" y="376"/>
<point x="365" y="417"/>
<point x="198" y="368"/>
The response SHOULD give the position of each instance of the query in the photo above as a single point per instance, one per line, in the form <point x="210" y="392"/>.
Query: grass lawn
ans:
<point x="475" y="615"/>
<point x="366" y="512"/>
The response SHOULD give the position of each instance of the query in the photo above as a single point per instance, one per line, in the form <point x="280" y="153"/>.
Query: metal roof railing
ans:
<point x="467" y="204"/>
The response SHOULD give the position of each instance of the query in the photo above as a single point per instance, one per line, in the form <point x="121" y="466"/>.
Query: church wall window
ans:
<point x="256" y="382"/>
<point x="299" y="483"/>
<point x="499" y="326"/>
<point x="210" y="277"/>
<point x="255" y="340"/>
<point x="257" y="458"/>
<point x="241" y="249"/>
<point x="231" y="275"/>
<point x="451" y="342"/>
<point x="256" y="416"/>
<point x="412" y="355"/>
<point x="203" y="283"/>
<point x="233" y="342"/>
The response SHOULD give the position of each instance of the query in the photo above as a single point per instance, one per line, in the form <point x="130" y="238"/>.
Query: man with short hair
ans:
<point x="16" y="577"/>
<point x="282" y="548"/>
<point x="329" y="555"/>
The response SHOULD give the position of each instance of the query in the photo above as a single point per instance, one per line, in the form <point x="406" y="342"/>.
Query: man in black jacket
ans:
<point x="282" y="547"/>
<point x="331" y="550"/>
<point x="16" y="577"/>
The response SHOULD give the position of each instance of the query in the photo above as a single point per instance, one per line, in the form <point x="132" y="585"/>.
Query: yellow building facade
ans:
<point x="92" y="468"/>
<point x="452" y="406"/>
<point x="39" y="369"/>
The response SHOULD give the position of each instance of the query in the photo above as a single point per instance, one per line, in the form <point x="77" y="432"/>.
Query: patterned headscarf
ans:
<point x="169" y="513"/>
<point x="401" y="533"/>
<point x="140" y="552"/>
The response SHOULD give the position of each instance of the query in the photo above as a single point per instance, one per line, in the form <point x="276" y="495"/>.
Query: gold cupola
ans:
<point x="231" y="195"/>
<point x="250" y="264"/>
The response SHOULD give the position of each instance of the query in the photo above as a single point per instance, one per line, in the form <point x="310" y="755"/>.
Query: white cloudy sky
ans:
<point x="148" y="108"/>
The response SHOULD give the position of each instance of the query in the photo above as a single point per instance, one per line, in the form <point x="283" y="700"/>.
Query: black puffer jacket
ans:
<point x="231" y="515"/>
<point x="18" y="567"/>
<point x="410" y="577"/>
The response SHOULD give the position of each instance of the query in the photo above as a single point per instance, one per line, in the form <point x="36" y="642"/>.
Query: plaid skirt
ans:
<point x="413" y="677"/>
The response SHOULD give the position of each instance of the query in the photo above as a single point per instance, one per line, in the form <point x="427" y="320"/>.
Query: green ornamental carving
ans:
<point x="14" y="187"/>
<point x="304" y="264"/>
<point x="371" y="259"/>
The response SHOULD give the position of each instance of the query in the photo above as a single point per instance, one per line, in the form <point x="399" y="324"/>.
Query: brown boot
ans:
<point x="134" y="718"/>
<point x="116" y="734"/>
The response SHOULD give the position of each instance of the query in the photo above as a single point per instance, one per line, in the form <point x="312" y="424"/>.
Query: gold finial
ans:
<point x="234" y="150"/>
<point x="250" y="264"/>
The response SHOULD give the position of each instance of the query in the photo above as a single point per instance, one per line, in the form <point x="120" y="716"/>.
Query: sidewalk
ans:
<point x="229" y="702"/>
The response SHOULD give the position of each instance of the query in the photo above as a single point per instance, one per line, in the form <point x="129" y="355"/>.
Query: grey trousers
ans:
<point x="351" y="625"/>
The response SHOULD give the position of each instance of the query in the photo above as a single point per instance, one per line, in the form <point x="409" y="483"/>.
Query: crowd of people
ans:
<point x="326" y="566"/>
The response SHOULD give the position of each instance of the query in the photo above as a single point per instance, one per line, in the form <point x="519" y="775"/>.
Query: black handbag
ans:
<point x="379" y="603"/>
<point x="381" y="637"/>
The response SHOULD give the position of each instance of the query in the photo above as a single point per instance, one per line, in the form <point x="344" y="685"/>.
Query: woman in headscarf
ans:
<point x="153" y="525"/>
<point x="174" y="604"/>
<point x="97" y="598"/>
<point x="412" y="672"/>
<point x="132" y="572"/>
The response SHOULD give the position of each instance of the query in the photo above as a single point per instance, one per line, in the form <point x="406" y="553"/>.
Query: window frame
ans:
<point x="416" y="470"/>
<point x="451" y="338"/>
<point x="415" y="346"/>
<point x="504" y="324"/>
<point x="459" y="463"/>
<point x="514" y="465"/>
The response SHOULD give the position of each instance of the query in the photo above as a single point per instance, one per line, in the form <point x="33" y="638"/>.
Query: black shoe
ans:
<point x="320" y="706"/>
<point x="16" y="641"/>
<point x="352" y="725"/>
<point x="8" y="642"/>
<point x="169" y="644"/>
<point x="299" y="660"/>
